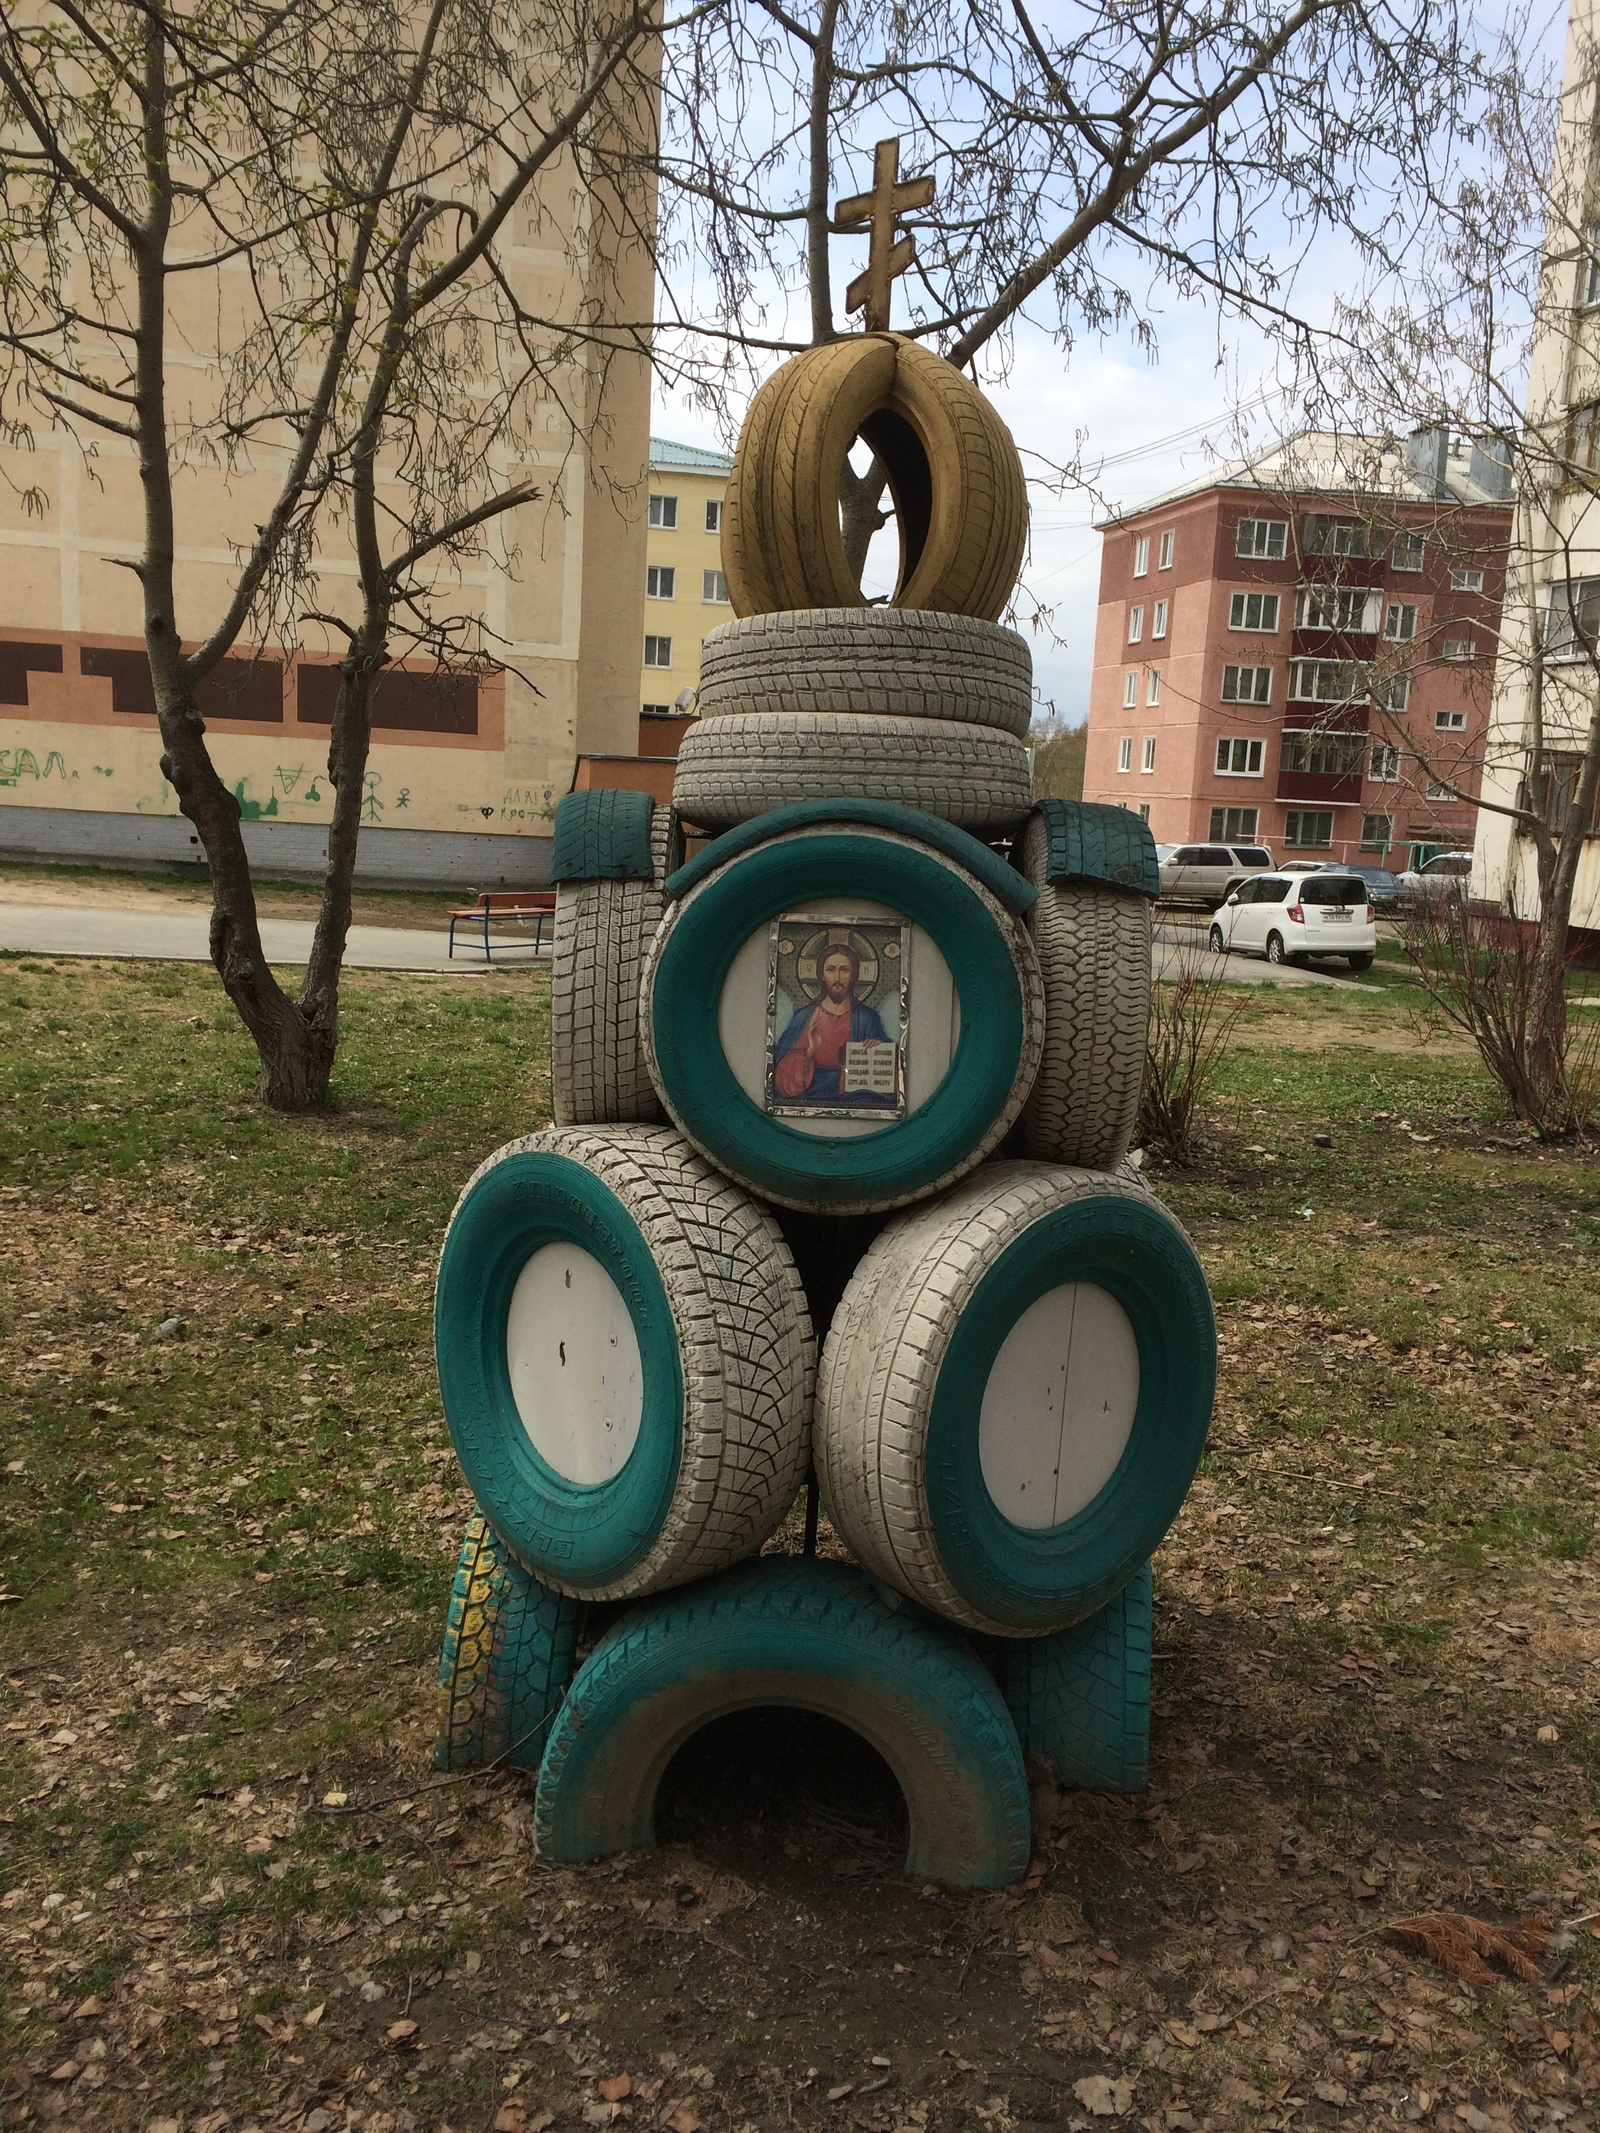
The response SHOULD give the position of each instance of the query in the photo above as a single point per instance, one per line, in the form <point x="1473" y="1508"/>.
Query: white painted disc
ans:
<point x="1059" y="1405"/>
<point x="573" y="1357"/>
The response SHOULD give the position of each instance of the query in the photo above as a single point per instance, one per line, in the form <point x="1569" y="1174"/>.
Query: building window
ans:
<point x="1439" y="789"/>
<point x="1238" y="758"/>
<point x="1144" y="810"/>
<point x="656" y="710"/>
<point x="1247" y="685"/>
<point x="1589" y="267"/>
<point x="1323" y="755"/>
<point x="1458" y="647"/>
<point x="714" y="515"/>
<point x="1147" y="761"/>
<point x="660" y="582"/>
<point x="1467" y="581"/>
<point x="1152" y="686"/>
<point x="1336" y="607"/>
<point x="1450" y="721"/>
<point x="1135" y="624"/>
<point x="1377" y="832"/>
<point x="1125" y="753"/>
<point x="1335" y="536"/>
<point x="1383" y="768"/>
<point x="1572" y="620"/>
<point x="1253" y="611"/>
<point x="658" y="651"/>
<point x="1164" y="553"/>
<point x="1265" y="538"/>
<point x="1395" y="693"/>
<point x="1235" y="825"/>
<point x="1400" y="624"/>
<point x="1141" y="555"/>
<point x="1158" y="619"/>
<point x="714" y="587"/>
<point x="664" y="513"/>
<point x="1327" y="681"/>
<point x="1407" y="551"/>
<point x="1307" y="829"/>
<point x="1130" y="690"/>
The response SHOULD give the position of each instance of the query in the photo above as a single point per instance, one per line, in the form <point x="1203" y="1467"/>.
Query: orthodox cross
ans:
<point x="887" y="256"/>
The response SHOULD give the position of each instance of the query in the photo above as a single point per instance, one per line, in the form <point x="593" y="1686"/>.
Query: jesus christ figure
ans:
<point x="809" y="1058"/>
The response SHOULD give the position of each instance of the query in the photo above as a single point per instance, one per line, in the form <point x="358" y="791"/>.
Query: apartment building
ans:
<point x="685" y="593"/>
<point x="1296" y="650"/>
<point x="1550" y="634"/>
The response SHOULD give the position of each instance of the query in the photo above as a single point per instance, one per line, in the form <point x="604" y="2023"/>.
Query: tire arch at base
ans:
<point x="725" y="1345"/>
<point x="509" y="1653"/>
<point x="908" y="1357"/>
<point x="996" y="975"/>
<point x="814" y="1636"/>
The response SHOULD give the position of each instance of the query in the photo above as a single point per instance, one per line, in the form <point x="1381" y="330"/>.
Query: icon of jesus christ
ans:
<point x="809" y="1058"/>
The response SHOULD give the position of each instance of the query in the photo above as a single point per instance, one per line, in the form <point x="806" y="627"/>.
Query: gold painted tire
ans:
<point x="953" y="470"/>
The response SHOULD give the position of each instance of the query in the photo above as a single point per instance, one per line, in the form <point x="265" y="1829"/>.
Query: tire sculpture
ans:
<point x="925" y="1049"/>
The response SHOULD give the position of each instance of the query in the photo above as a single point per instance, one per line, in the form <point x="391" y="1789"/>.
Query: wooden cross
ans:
<point x="887" y="256"/>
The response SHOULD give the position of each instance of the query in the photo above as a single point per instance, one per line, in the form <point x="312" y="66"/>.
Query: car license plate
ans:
<point x="1336" y="918"/>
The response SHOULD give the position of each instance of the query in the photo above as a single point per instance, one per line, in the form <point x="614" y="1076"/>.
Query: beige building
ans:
<point x="685" y="594"/>
<point x="466" y="768"/>
<point x="1553" y="588"/>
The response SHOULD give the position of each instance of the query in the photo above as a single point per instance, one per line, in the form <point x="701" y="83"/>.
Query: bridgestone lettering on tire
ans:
<point x="1014" y="1395"/>
<point x="717" y="937"/>
<point x="508" y="1656"/>
<point x="960" y="502"/>
<point x="597" y="1070"/>
<point x="1081" y="1698"/>
<point x="891" y="661"/>
<point x="810" y="1635"/>
<point x="625" y="1359"/>
<point x="732" y="769"/>
<point x="1094" y="957"/>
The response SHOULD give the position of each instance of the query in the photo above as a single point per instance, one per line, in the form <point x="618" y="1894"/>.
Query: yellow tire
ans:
<point x="960" y="502"/>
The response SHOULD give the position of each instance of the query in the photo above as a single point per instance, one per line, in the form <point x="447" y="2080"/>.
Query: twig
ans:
<point x="1324" y="1481"/>
<point x="460" y="1777"/>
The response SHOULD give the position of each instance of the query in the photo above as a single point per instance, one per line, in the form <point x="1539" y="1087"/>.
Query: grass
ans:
<point x="227" y="1545"/>
<point x="183" y="888"/>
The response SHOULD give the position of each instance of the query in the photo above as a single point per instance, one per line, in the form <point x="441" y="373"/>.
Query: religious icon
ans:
<point x="836" y="1017"/>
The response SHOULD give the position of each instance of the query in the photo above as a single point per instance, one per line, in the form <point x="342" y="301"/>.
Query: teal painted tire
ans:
<point x="1081" y="1698"/>
<point x="1014" y="1395"/>
<point x="508" y="1657"/>
<point x="814" y="1636"/>
<point x="713" y="942"/>
<point x="625" y="1360"/>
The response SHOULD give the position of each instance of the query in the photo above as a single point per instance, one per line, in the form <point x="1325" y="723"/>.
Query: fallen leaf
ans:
<point x="399" y="2031"/>
<point x="313" y="2015"/>
<point x="684" y="2120"/>
<point x="1458" y="1943"/>
<point x="615" y="2087"/>
<point x="1102" y="2097"/>
<point x="68" y="2070"/>
<point x="1181" y="2033"/>
<point x="1331" y="2092"/>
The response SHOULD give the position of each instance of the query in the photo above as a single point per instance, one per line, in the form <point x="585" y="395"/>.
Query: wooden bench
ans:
<point x="506" y="907"/>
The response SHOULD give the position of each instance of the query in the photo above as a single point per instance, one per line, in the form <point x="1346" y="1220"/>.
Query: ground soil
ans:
<point x="236" y="1894"/>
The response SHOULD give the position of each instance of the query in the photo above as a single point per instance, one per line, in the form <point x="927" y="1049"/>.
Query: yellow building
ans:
<point x="684" y="592"/>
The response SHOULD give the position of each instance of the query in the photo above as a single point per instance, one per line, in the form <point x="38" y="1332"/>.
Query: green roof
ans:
<point x="692" y="458"/>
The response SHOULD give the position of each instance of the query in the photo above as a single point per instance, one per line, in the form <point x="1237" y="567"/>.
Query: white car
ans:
<point x="1443" y="872"/>
<point x="1290" y="918"/>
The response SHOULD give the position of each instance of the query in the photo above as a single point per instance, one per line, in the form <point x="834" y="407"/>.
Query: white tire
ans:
<point x="598" y="1074"/>
<point x="626" y="1360"/>
<point x="1093" y="942"/>
<point x="732" y="769"/>
<point x="894" y="662"/>
<point x="1036" y="1329"/>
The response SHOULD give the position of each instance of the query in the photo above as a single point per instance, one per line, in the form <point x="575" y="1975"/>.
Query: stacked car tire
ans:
<point x="962" y="1314"/>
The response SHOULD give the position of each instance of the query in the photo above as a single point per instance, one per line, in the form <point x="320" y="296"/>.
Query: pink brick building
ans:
<point x="1298" y="650"/>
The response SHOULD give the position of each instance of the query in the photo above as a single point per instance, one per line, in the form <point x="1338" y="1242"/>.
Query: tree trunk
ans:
<point x="859" y="515"/>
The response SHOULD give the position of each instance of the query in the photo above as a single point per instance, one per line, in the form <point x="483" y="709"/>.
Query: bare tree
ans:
<point x="1085" y="166"/>
<point x="328" y="195"/>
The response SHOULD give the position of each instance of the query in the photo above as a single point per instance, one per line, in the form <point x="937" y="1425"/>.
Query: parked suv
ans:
<point x="1290" y="918"/>
<point x="1443" y="872"/>
<point x="1206" y="873"/>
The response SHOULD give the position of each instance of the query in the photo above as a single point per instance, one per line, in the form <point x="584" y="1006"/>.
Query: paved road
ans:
<point x="59" y="929"/>
<point x="1173" y="935"/>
